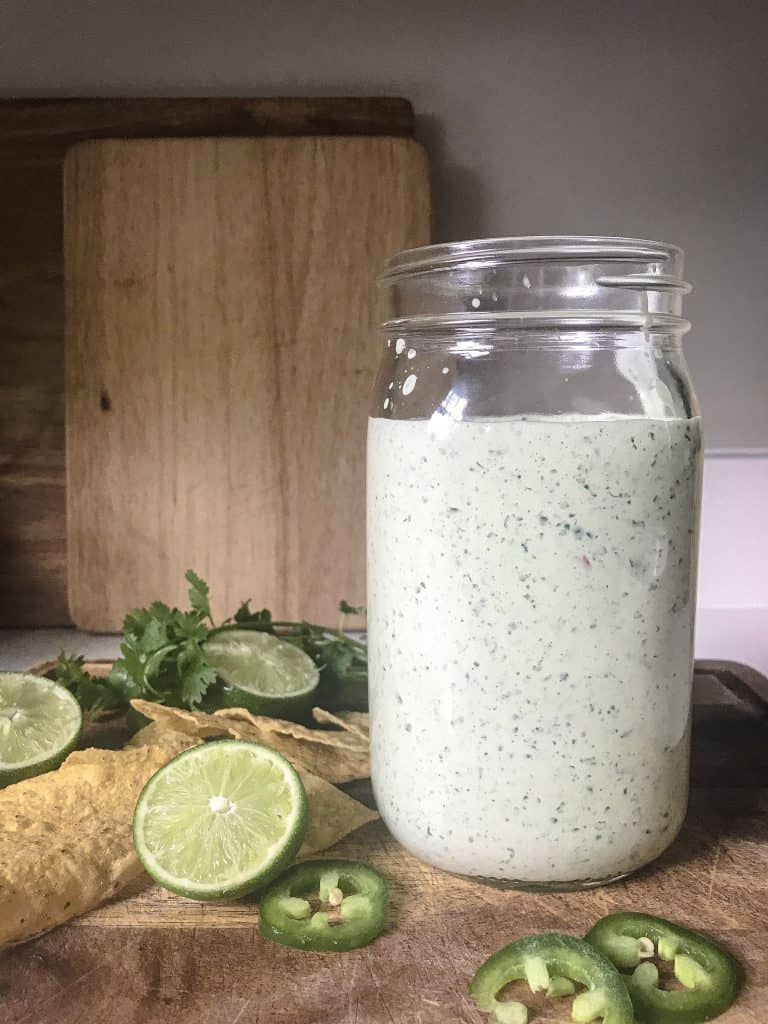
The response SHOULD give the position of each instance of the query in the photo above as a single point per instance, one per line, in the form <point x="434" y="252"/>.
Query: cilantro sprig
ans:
<point x="162" y="656"/>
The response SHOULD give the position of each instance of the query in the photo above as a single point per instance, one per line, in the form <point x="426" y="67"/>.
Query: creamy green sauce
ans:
<point x="530" y="612"/>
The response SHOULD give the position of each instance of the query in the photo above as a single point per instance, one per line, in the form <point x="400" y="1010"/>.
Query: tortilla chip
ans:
<point x="354" y="722"/>
<point x="65" y="836"/>
<point x="295" y="731"/>
<point x="192" y="723"/>
<point x="332" y="814"/>
<point x="361" y="719"/>
<point x="329" y="755"/>
<point x="157" y="734"/>
<point x="334" y="756"/>
<point x="165" y="743"/>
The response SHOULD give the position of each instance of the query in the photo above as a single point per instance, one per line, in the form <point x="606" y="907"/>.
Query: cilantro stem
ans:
<point x="296" y="629"/>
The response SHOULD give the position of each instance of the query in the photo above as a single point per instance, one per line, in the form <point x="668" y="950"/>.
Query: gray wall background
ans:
<point x="633" y="117"/>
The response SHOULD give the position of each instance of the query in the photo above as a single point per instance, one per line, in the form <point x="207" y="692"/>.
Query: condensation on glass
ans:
<point x="534" y="459"/>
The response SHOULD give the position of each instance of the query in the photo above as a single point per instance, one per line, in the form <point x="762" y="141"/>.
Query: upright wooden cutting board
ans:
<point x="35" y="134"/>
<point x="221" y="299"/>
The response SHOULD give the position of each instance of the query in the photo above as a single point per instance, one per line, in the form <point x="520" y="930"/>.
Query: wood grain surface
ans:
<point x="32" y="504"/>
<point x="221" y="352"/>
<point x="50" y="126"/>
<point x="34" y="135"/>
<point x="157" y="959"/>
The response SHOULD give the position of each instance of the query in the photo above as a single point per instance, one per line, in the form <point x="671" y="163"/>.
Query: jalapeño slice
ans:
<point x="710" y="975"/>
<point x="551" y="963"/>
<point x="328" y="906"/>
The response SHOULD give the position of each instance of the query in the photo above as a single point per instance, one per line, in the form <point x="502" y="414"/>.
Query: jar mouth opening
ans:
<point x="493" y="252"/>
<point x="607" y="281"/>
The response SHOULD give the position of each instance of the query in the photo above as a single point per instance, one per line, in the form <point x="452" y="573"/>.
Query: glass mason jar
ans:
<point x="534" y="464"/>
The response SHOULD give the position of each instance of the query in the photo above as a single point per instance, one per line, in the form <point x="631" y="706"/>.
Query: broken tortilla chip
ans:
<point x="337" y="740"/>
<point x="354" y="722"/>
<point x="332" y="814"/>
<point x="359" y="718"/>
<point x="65" y="836"/>
<point x="192" y="723"/>
<point x="333" y="755"/>
<point x="335" y="764"/>
<point x="158" y="734"/>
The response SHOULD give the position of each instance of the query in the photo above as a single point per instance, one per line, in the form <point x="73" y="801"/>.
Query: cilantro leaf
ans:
<point x="135" y="623"/>
<point x="256" y="620"/>
<point x="195" y="675"/>
<point x="339" y="659"/>
<point x="199" y="595"/>
<point x="131" y="665"/>
<point x="155" y="635"/>
<point x="96" y="696"/>
<point x="350" y="609"/>
<point x="123" y="683"/>
<point x="188" y="626"/>
<point x="70" y="671"/>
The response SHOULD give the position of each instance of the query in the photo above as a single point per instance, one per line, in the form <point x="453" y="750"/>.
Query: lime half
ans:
<point x="261" y="673"/>
<point x="220" y="820"/>
<point x="40" y="723"/>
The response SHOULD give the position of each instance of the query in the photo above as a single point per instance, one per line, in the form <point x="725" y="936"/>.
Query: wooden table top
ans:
<point x="153" y="957"/>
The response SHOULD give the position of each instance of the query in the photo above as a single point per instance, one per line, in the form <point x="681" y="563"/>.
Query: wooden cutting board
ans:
<point x="154" y="958"/>
<point x="34" y="136"/>
<point x="221" y="351"/>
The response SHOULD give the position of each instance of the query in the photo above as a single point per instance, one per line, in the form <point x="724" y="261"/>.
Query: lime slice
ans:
<point x="259" y="672"/>
<point x="40" y="723"/>
<point x="220" y="820"/>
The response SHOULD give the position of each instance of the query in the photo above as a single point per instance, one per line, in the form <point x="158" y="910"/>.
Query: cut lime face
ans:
<point x="259" y="672"/>
<point x="220" y="820"/>
<point x="40" y="723"/>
